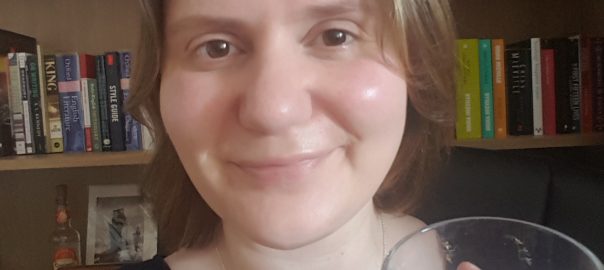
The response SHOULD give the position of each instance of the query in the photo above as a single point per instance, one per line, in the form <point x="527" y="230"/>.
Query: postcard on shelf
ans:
<point x="120" y="226"/>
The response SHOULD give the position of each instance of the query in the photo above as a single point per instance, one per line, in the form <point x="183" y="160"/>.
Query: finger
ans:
<point x="467" y="266"/>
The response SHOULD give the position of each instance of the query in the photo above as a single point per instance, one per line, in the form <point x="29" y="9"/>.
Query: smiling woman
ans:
<point x="291" y="134"/>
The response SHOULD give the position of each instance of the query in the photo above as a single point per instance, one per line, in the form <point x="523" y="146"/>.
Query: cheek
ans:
<point x="191" y="108"/>
<point x="372" y="98"/>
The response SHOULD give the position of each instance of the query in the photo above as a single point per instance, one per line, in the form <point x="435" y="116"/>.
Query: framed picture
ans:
<point x="120" y="226"/>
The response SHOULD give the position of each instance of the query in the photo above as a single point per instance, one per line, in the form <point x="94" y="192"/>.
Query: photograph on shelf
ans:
<point x="120" y="226"/>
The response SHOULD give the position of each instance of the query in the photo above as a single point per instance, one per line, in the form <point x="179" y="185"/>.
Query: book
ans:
<point x="16" y="105"/>
<point x="88" y="87"/>
<point x="42" y="90"/>
<point x="132" y="127"/>
<point x="486" y="89"/>
<point x="499" y="89"/>
<point x="25" y="99"/>
<point x="104" y="114"/>
<point x="115" y="98"/>
<point x="15" y="42"/>
<point x="586" y="85"/>
<point x="575" y="83"/>
<point x="537" y="90"/>
<point x="70" y="100"/>
<point x="519" y="89"/>
<point x="468" y="123"/>
<point x="35" y="102"/>
<point x="53" y="108"/>
<point x="548" y="87"/>
<point x="598" y="84"/>
<point x="561" y="47"/>
<point x="6" y="138"/>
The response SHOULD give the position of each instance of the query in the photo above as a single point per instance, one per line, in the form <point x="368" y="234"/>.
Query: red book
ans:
<point x="548" y="88"/>
<point x="87" y="72"/>
<point x="587" y="120"/>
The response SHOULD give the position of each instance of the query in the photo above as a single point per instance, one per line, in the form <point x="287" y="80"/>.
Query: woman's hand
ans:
<point x="467" y="266"/>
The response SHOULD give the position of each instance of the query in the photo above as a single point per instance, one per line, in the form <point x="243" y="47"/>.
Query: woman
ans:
<point x="291" y="134"/>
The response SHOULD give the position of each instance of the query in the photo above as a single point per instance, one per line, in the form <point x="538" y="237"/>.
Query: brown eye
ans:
<point x="335" y="37"/>
<point x="217" y="48"/>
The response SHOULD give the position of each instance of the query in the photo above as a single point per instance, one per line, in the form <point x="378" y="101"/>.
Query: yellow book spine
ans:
<point x="468" y="125"/>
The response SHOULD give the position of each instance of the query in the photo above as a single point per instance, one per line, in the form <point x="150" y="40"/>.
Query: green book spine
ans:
<point x="93" y="93"/>
<point x="486" y="89"/>
<point x="468" y="125"/>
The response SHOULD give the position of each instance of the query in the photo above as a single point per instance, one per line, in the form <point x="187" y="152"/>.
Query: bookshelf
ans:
<point x="72" y="160"/>
<point x="95" y="26"/>
<point x="517" y="20"/>
<point x="531" y="142"/>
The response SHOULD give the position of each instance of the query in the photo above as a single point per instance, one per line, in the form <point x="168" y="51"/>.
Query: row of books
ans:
<point x="533" y="87"/>
<point x="67" y="102"/>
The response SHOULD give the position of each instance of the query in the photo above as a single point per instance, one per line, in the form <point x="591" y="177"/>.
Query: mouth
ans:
<point x="286" y="168"/>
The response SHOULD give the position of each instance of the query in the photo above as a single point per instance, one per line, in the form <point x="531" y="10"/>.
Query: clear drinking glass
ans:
<point x="490" y="243"/>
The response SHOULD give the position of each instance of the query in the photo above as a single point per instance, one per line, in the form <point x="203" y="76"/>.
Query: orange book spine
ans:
<point x="499" y="89"/>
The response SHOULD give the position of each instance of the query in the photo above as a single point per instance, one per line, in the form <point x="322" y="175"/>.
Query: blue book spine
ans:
<point x="486" y="89"/>
<point x="132" y="127"/>
<point x="70" y="100"/>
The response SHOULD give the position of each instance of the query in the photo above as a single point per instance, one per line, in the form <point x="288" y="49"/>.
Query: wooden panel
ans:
<point x="516" y="20"/>
<point x="70" y="160"/>
<point x="593" y="17"/>
<point x="91" y="26"/>
<point x="527" y="142"/>
<point x="28" y="208"/>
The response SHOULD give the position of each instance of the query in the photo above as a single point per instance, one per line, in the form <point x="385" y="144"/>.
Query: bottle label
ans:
<point x="62" y="216"/>
<point x="64" y="257"/>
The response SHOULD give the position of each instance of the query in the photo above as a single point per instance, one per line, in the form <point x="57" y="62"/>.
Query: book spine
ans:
<point x="575" y="84"/>
<point x="536" y="83"/>
<point x="85" y="77"/>
<point x="586" y="87"/>
<point x="43" y="98"/>
<point x="36" y="106"/>
<point x="132" y="128"/>
<point x="94" y="115"/>
<point x="25" y="94"/>
<point x="499" y="93"/>
<point x="468" y="123"/>
<point x="16" y="105"/>
<point x="563" y="112"/>
<point x="6" y="138"/>
<point x="486" y="89"/>
<point x="598" y="84"/>
<point x="520" y="97"/>
<point x="71" y="103"/>
<point x="548" y="86"/>
<point x="103" y="105"/>
<point x="115" y="102"/>
<point x="53" y="109"/>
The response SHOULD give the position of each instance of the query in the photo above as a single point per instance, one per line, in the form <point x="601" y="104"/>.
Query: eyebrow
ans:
<point x="207" y="21"/>
<point x="332" y="9"/>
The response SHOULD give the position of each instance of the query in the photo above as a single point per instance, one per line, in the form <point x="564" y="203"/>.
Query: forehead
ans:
<point x="262" y="9"/>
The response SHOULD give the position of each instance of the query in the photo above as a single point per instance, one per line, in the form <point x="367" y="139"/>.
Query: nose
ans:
<point x="276" y="96"/>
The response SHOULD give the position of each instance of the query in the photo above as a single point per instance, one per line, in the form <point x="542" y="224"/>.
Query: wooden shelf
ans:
<point x="71" y="160"/>
<point x="526" y="142"/>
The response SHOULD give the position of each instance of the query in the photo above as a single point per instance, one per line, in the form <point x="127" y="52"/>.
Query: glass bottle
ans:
<point x="65" y="239"/>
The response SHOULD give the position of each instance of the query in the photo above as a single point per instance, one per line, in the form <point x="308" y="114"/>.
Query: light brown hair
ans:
<point x="423" y="36"/>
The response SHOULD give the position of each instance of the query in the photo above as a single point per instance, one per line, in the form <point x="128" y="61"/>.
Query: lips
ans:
<point x="286" y="168"/>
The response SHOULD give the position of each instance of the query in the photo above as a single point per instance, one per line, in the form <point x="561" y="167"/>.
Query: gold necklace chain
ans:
<point x="223" y="267"/>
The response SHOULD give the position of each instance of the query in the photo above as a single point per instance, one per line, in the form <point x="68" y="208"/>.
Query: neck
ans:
<point x="358" y="244"/>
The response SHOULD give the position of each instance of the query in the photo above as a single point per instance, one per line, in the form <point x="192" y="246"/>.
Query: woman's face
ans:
<point x="284" y="114"/>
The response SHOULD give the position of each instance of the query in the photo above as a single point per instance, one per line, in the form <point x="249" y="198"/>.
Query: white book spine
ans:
<point x="29" y="144"/>
<point x="86" y="109"/>
<point x="537" y="92"/>
<point x="16" y="105"/>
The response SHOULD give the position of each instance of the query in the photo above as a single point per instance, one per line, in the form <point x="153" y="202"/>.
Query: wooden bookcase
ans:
<point x="96" y="26"/>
